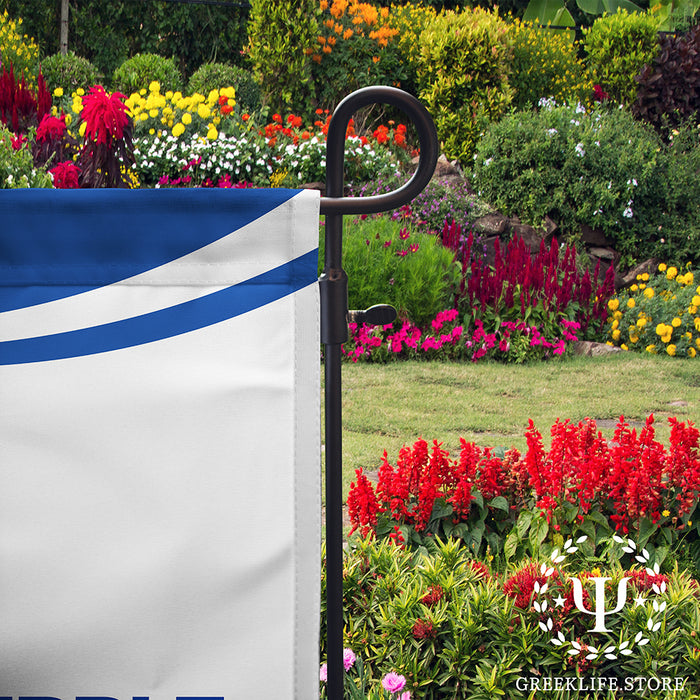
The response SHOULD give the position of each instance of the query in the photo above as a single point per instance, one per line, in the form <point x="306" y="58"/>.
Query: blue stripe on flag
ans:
<point x="166" y="323"/>
<point x="52" y="239"/>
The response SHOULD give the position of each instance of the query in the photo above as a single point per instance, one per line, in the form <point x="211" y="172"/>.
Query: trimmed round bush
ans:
<point x="69" y="72"/>
<point x="214" y="76"/>
<point x="137" y="73"/>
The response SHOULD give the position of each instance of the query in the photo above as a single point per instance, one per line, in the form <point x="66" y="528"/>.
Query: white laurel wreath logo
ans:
<point x="611" y="652"/>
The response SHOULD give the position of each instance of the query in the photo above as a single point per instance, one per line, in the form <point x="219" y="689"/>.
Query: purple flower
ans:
<point x="393" y="682"/>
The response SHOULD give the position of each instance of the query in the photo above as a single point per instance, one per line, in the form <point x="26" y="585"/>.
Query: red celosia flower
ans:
<point x="105" y="115"/>
<point x="65" y="176"/>
<point x="51" y="128"/>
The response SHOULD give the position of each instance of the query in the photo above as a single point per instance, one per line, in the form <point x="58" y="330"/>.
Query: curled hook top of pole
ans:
<point x="334" y="202"/>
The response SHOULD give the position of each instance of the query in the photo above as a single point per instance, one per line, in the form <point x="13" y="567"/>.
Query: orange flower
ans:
<point x="347" y="33"/>
<point x="338" y="8"/>
<point x="245" y="117"/>
<point x="323" y="5"/>
<point x="332" y="40"/>
<point x="327" y="49"/>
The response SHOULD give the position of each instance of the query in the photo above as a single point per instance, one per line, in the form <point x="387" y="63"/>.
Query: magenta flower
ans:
<point x="323" y="673"/>
<point x="348" y="659"/>
<point x="393" y="682"/>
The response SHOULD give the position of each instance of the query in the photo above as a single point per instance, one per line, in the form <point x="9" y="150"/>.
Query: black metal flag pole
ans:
<point x="334" y="327"/>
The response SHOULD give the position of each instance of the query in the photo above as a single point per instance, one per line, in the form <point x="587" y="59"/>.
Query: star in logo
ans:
<point x="639" y="601"/>
<point x="559" y="601"/>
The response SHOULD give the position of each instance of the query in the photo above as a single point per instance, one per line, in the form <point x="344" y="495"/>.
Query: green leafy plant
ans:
<point x="546" y="64"/>
<point x="17" y="169"/>
<point x="658" y="314"/>
<point x="453" y="628"/>
<point x="463" y="71"/>
<point x="69" y="72"/>
<point x="617" y="47"/>
<point x="596" y="168"/>
<point x="281" y="37"/>
<point x="390" y="263"/>
<point x="214" y="76"/>
<point x="139" y="71"/>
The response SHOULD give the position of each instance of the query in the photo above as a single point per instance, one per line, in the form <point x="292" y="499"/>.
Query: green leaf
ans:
<point x="523" y="524"/>
<point x="538" y="533"/>
<point x="511" y="544"/>
<point x="543" y="11"/>
<point x="500" y="503"/>
<point x="646" y="529"/>
<point x="591" y="7"/>
<point x="612" y="6"/>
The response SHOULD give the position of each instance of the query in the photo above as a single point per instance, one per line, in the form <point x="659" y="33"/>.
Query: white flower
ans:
<point x="488" y="162"/>
<point x="628" y="213"/>
<point x="579" y="150"/>
<point x="552" y="132"/>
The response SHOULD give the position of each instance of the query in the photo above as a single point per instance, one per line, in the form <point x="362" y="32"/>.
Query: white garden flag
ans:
<point x="159" y="444"/>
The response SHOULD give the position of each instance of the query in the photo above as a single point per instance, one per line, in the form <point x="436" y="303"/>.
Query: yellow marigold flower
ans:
<point x="186" y="118"/>
<point x="645" y="277"/>
<point x="634" y="338"/>
<point x="691" y="352"/>
<point x="616" y="335"/>
<point x="695" y="301"/>
<point x="641" y="322"/>
<point x="649" y="292"/>
<point x="651" y="349"/>
<point x="82" y="128"/>
<point x="661" y="329"/>
<point x="671" y="273"/>
<point x="689" y="279"/>
<point x="630" y="303"/>
<point x="213" y="96"/>
<point x="624" y="347"/>
<point x="613" y="304"/>
<point x="80" y="92"/>
<point x="178" y="129"/>
<point x="203" y="111"/>
<point x="615" y="324"/>
<point x="662" y="267"/>
<point x="665" y="513"/>
<point x="153" y="113"/>
<point x="154" y="86"/>
<point x="642" y="285"/>
<point x="634" y="288"/>
<point x="212" y="133"/>
<point x="671" y="350"/>
<point x="58" y="92"/>
<point x="676" y="322"/>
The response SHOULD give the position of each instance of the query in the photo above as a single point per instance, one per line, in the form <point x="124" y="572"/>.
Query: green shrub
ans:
<point x="388" y="263"/>
<point x="69" y="72"/>
<point x="599" y="169"/>
<point x="617" y="48"/>
<point x="546" y="64"/>
<point x="281" y="37"/>
<point x="138" y="72"/>
<point x="17" y="169"/>
<point x="214" y="76"/>
<point x="18" y="49"/>
<point x="669" y="87"/>
<point x="463" y="70"/>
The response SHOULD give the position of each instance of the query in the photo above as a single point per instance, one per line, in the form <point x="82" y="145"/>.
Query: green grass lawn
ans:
<point x="387" y="406"/>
